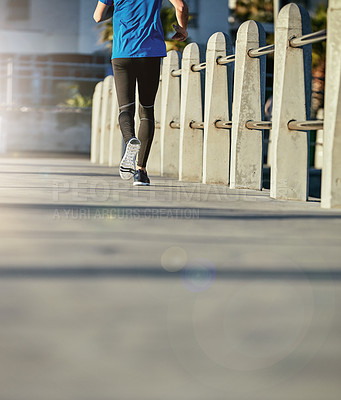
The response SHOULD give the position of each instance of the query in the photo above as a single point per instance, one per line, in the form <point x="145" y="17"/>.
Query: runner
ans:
<point x="138" y="46"/>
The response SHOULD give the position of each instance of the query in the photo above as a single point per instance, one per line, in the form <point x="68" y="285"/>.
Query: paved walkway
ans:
<point x="176" y="291"/>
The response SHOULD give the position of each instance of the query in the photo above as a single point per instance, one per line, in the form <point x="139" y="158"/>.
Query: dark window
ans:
<point x="18" y="10"/>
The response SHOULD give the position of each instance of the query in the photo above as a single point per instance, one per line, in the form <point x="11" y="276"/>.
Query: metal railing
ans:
<point x="223" y="124"/>
<point x="262" y="51"/>
<point x="310" y="38"/>
<point x="176" y="73"/>
<point x="200" y="125"/>
<point x="254" y="53"/>
<point x="174" y="125"/>
<point x="198" y="68"/>
<point x="292" y="125"/>
<point x="237" y="158"/>
<point x="226" y="60"/>
<point x="258" y="125"/>
<point x="305" y="125"/>
<point x="196" y="125"/>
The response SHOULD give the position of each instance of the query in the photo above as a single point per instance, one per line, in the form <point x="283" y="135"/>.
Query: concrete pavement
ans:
<point x="176" y="291"/>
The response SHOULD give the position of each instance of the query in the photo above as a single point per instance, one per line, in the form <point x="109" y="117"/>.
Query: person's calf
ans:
<point x="126" y="121"/>
<point x="146" y="133"/>
<point x="146" y="112"/>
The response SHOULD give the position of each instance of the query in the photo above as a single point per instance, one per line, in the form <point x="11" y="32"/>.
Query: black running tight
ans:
<point x="146" y="72"/>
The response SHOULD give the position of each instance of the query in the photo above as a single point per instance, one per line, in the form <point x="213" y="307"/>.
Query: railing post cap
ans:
<point x="217" y="41"/>
<point x="290" y="15"/>
<point x="172" y="54"/>
<point x="172" y="57"/>
<point x="250" y="29"/>
<point x="108" y="80"/>
<point x="99" y="86"/>
<point x="191" y="50"/>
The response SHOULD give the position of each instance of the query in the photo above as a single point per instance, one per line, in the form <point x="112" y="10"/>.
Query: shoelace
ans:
<point x="131" y="156"/>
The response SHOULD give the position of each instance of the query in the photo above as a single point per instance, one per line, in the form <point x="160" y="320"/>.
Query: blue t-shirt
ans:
<point x="137" y="29"/>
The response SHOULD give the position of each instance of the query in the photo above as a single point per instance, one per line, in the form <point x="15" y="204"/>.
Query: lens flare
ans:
<point x="198" y="275"/>
<point x="174" y="259"/>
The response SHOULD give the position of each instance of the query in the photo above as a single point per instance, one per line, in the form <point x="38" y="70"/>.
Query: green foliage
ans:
<point x="262" y="11"/>
<point x="76" y="99"/>
<point x="168" y="18"/>
<point x="319" y="22"/>
<point x="106" y="33"/>
<point x="257" y="10"/>
<point x="79" y="101"/>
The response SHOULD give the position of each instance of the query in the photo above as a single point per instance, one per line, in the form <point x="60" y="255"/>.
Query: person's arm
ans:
<point x="181" y="10"/>
<point x="104" y="10"/>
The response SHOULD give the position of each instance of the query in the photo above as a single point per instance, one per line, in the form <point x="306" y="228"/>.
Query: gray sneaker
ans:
<point x="127" y="165"/>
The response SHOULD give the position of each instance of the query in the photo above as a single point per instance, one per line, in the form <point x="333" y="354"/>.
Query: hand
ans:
<point x="181" y="33"/>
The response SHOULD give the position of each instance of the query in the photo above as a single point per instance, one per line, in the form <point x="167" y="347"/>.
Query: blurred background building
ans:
<point x="50" y="62"/>
<point x="53" y="54"/>
<point x="49" y="50"/>
<point x="39" y="26"/>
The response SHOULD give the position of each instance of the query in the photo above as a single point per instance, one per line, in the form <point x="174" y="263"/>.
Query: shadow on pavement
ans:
<point x="174" y="212"/>
<point x="159" y="273"/>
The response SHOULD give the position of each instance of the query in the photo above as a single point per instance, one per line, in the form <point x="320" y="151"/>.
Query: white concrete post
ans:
<point x="292" y="88"/>
<point x="319" y="143"/>
<point x="106" y="119"/>
<point x="331" y="173"/>
<point x="216" y="161"/>
<point x="248" y="105"/>
<point x="96" y="123"/>
<point x="170" y="111"/>
<point x="154" y="159"/>
<point x="115" y="137"/>
<point x="191" y="140"/>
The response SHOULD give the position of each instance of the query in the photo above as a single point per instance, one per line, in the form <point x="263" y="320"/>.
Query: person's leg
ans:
<point x="125" y="82"/>
<point x="148" y="77"/>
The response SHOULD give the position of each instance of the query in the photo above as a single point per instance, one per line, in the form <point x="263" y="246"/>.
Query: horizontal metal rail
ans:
<point x="174" y="125"/>
<point x="305" y="125"/>
<point x="308" y="39"/>
<point x="292" y="125"/>
<point x="202" y="66"/>
<point x="176" y="73"/>
<point x="261" y="51"/>
<point x="196" y="125"/>
<point x="258" y="125"/>
<point x="198" y="67"/>
<point x="223" y="124"/>
<point x="226" y="60"/>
